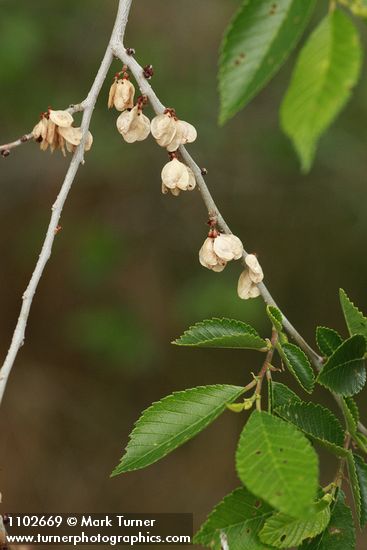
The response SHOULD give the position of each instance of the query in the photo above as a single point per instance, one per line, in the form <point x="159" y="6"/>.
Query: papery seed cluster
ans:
<point x="170" y="132"/>
<point x="167" y="130"/>
<point x="55" y="130"/>
<point x="250" y="278"/>
<point x="177" y="177"/>
<point x="219" y="249"/>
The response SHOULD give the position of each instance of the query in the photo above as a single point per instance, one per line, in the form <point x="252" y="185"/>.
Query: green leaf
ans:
<point x="282" y="395"/>
<point x="222" y="333"/>
<point x="354" y="483"/>
<point x="169" y="423"/>
<point x="283" y="531"/>
<point x="277" y="463"/>
<point x="240" y="515"/>
<point x="256" y="44"/>
<point x="353" y="408"/>
<point x="356" y="321"/>
<point x="351" y="414"/>
<point x="361" y="475"/>
<point x="317" y="422"/>
<point x="327" y="69"/>
<point x="344" y="372"/>
<point x="340" y="533"/>
<point x="361" y="441"/>
<point x="298" y="364"/>
<point x="327" y="340"/>
<point x="276" y="317"/>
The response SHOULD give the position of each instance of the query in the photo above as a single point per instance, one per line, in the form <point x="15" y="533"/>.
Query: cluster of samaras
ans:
<point x="56" y="130"/>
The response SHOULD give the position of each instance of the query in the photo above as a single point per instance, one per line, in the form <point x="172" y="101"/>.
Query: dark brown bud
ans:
<point x="130" y="51"/>
<point x="204" y="171"/>
<point x="5" y="152"/>
<point x="148" y="71"/>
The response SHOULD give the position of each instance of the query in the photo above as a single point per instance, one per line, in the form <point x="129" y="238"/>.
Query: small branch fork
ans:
<point x="115" y="48"/>
<point x="7" y="147"/>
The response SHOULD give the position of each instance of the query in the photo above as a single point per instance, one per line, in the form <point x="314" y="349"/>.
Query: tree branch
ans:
<point x="78" y="158"/>
<point x="213" y="210"/>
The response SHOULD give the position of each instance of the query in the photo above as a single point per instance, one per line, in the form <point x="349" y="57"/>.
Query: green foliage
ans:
<point x="344" y="372"/>
<point x="222" y="333"/>
<point x="353" y="408"/>
<point x="282" y="395"/>
<point x="172" y="421"/>
<point x="361" y="441"/>
<point x="327" y="69"/>
<point x="351" y="414"/>
<point x="354" y="483"/>
<point x="327" y="340"/>
<point x="284" y="531"/>
<point x="317" y="422"/>
<point x="277" y="463"/>
<point x="275" y="460"/>
<point x="340" y="533"/>
<point x="256" y="44"/>
<point x="276" y="317"/>
<point x="355" y="320"/>
<point x="298" y="364"/>
<point x="240" y="516"/>
<point x="361" y="477"/>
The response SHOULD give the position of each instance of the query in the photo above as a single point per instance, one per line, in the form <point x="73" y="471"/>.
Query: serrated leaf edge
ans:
<point x="246" y="329"/>
<point x="117" y="470"/>
<point x="339" y="450"/>
<point x="291" y="369"/>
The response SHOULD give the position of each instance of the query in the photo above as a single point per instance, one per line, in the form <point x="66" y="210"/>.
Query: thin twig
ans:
<point x="78" y="158"/>
<point x="7" y="146"/>
<point x="265" y="368"/>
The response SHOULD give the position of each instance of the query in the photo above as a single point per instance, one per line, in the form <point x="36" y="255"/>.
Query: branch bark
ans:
<point x="87" y="106"/>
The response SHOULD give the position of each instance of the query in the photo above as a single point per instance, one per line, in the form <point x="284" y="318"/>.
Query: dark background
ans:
<point x="124" y="278"/>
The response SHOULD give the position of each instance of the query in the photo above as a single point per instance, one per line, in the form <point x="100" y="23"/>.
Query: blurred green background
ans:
<point x="124" y="278"/>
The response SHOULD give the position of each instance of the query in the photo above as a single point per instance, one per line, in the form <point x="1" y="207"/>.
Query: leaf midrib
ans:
<point x="155" y="449"/>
